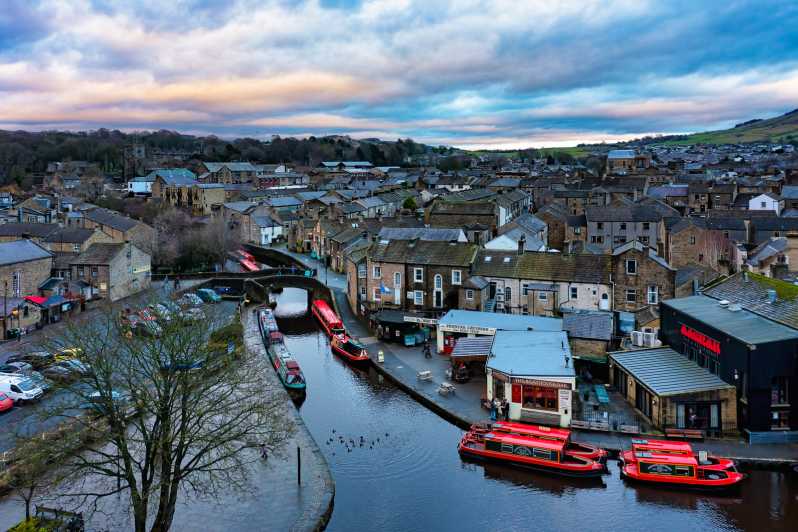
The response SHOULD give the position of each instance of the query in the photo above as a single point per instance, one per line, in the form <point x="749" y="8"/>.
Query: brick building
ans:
<point x="641" y="278"/>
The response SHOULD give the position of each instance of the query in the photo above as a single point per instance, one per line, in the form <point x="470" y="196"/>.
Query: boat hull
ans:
<point x="540" y="466"/>
<point x="629" y="473"/>
<point x="356" y="360"/>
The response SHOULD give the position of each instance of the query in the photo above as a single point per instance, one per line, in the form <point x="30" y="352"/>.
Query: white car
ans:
<point x="19" y="388"/>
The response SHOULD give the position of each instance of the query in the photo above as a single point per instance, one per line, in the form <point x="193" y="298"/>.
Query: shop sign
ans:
<point x="564" y="400"/>
<point x="701" y="339"/>
<point x="544" y="384"/>
<point x="468" y="329"/>
<point x="422" y="321"/>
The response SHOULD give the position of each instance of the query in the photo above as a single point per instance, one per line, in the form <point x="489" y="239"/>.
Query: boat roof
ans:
<point x="552" y="445"/>
<point x="292" y="364"/>
<point x="549" y="432"/>
<point x="660" y="458"/>
<point x="662" y="445"/>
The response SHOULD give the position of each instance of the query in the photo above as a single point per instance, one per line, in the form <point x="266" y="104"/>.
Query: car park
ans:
<point x="6" y="403"/>
<point x="37" y="359"/>
<point x="208" y="295"/>
<point x="19" y="388"/>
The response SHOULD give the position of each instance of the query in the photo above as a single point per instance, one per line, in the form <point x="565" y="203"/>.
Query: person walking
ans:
<point x="493" y="409"/>
<point x="499" y="409"/>
<point x="506" y="409"/>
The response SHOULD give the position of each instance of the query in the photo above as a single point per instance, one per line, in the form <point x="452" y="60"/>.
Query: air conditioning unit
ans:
<point x="649" y="339"/>
<point x="637" y="338"/>
<point x="652" y="330"/>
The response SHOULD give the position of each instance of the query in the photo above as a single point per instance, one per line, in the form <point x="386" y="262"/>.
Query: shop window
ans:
<point x="540" y="398"/>
<point x="780" y="420"/>
<point x="780" y="391"/>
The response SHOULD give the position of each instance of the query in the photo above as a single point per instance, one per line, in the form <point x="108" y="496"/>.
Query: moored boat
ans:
<point x="668" y="464"/>
<point x="542" y="432"/>
<point x="327" y="317"/>
<point x="527" y="452"/>
<point x="346" y="347"/>
<point x="286" y="367"/>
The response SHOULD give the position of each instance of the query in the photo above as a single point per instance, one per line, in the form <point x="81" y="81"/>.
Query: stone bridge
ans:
<point x="257" y="287"/>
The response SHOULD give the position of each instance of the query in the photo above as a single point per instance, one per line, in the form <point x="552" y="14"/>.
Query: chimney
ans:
<point x="521" y="244"/>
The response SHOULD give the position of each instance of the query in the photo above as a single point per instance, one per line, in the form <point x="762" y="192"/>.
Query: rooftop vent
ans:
<point x="735" y="307"/>
<point x="723" y="302"/>
<point x="772" y="296"/>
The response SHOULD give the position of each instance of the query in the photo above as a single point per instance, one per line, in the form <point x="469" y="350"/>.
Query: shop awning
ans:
<point x="472" y="349"/>
<point x="36" y="300"/>
<point x="393" y="317"/>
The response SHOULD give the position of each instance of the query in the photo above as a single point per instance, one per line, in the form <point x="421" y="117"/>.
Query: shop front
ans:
<point x="534" y="372"/>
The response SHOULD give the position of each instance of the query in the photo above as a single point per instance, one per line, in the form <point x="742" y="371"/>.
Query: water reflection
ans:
<point x="413" y="478"/>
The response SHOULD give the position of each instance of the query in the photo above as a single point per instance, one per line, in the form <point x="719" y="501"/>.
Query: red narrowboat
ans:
<point x="329" y="320"/>
<point x="245" y="255"/>
<point x="572" y="448"/>
<point x="249" y="265"/>
<point x="681" y="471"/>
<point x="676" y="448"/>
<point x="527" y="452"/>
<point x="346" y="347"/>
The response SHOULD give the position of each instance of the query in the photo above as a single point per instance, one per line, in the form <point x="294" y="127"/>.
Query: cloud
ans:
<point x="466" y="72"/>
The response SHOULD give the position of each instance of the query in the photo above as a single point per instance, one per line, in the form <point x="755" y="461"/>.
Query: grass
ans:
<point x="783" y="289"/>
<point x="578" y="152"/>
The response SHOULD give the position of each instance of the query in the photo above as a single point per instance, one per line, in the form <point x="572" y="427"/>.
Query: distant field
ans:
<point x="574" y="151"/>
<point x="783" y="128"/>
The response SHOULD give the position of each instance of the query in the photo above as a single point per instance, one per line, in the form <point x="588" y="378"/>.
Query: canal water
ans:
<point x="405" y="473"/>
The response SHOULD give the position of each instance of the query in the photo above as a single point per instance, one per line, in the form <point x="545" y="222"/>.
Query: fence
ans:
<point x="610" y="422"/>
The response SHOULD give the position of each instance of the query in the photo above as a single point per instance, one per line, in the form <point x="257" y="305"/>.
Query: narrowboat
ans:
<point x="345" y="346"/>
<point x="267" y="322"/>
<point x="527" y="452"/>
<point x="327" y="317"/>
<point x="680" y="471"/>
<point x="675" y="448"/>
<point x="284" y="365"/>
<point x="542" y="432"/>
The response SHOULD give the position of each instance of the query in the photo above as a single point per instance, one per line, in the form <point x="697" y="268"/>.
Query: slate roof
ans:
<point x="234" y="167"/>
<point x="767" y="249"/>
<point x="477" y="282"/>
<point x="547" y="266"/>
<point x="265" y="221"/>
<point x="371" y="202"/>
<point x="530" y="222"/>
<point x="510" y="182"/>
<point x="27" y="229"/>
<point x="588" y="325"/>
<point x="639" y="246"/>
<point x="71" y="235"/>
<point x="18" y="251"/>
<point x="111" y="219"/>
<point x="789" y="192"/>
<point x="173" y="176"/>
<point x="99" y="253"/>
<point x="665" y="372"/>
<point x="621" y="154"/>
<point x="775" y="224"/>
<point x="424" y="252"/>
<point x="420" y="233"/>
<point x="531" y="353"/>
<point x="473" y="208"/>
<point x="751" y="292"/>
<point x="285" y="201"/>
<point x="624" y="213"/>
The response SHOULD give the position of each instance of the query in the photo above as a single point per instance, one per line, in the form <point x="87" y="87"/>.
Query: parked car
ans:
<point x="26" y="370"/>
<point x="190" y="299"/>
<point x="37" y="359"/>
<point x="192" y="315"/>
<point x="6" y="403"/>
<point x="67" y="370"/>
<point x="19" y="388"/>
<point x="68" y="353"/>
<point x="98" y="403"/>
<point x="161" y="311"/>
<point x="208" y="295"/>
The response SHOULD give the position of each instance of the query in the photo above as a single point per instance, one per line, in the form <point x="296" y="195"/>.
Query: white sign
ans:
<point x="468" y="329"/>
<point x="423" y="321"/>
<point x="564" y="401"/>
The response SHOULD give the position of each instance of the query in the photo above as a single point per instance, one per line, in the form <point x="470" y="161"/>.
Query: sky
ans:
<point x="466" y="73"/>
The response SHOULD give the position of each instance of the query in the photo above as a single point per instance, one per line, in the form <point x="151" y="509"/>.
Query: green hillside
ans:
<point x="782" y="128"/>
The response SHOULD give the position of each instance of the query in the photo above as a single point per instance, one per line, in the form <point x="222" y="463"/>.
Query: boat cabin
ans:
<point x="329" y="320"/>
<point x="537" y="431"/>
<point x="662" y="447"/>
<point x="524" y="446"/>
<point x="649" y="463"/>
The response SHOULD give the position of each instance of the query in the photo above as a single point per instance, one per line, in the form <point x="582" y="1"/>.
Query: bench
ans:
<point x="424" y="375"/>
<point x="446" y="388"/>
<point x="687" y="434"/>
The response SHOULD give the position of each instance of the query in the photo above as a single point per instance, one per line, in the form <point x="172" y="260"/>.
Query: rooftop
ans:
<point x="743" y="325"/>
<point x="500" y="322"/>
<point x="531" y="353"/>
<point x="18" y="251"/>
<point x="751" y="292"/>
<point x="666" y="372"/>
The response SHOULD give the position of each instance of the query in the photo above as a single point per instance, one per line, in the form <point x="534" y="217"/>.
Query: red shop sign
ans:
<point x="701" y="339"/>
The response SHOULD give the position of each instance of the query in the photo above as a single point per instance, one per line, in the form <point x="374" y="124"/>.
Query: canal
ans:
<point x="405" y="473"/>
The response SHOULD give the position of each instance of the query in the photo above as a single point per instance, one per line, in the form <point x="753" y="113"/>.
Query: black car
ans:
<point x="37" y="359"/>
<point x="67" y="370"/>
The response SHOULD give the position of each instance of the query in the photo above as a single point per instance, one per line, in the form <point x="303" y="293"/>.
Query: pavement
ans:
<point x="402" y="365"/>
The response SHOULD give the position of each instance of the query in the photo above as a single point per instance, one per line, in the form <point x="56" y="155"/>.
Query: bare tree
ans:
<point x="34" y="466"/>
<point x="181" y="413"/>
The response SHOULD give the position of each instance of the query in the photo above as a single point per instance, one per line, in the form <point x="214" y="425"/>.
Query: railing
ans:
<point x="610" y="422"/>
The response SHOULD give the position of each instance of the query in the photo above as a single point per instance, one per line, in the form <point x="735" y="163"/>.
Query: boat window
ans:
<point x="666" y="469"/>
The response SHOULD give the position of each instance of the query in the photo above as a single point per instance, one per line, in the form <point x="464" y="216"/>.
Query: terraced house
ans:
<point x="417" y="274"/>
<point x="611" y="226"/>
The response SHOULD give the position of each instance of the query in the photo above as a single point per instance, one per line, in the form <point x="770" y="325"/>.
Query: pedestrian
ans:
<point x="493" y="409"/>
<point x="264" y="452"/>
<point x="506" y="409"/>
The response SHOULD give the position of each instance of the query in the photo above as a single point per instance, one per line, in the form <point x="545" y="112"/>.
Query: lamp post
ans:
<point x="5" y="308"/>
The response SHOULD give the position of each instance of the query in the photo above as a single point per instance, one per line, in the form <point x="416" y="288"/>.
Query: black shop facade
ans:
<point x="755" y="354"/>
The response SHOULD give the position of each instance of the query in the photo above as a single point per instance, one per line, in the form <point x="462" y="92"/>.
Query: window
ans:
<point x="623" y="226"/>
<point x="631" y="267"/>
<point x="418" y="297"/>
<point x="646" y="226"/>
<point x="361" y="271"/>
<point x="376" y="272"/>
<point x="16" y="283"/>
<point x="362" y="291"/>
<point x="525" y="289"/>
<point x="540" y="398"/>
<point x="94" y="271"/>
<point x="376" y="295"/>
<point x="700" y="257"/>
<point x="780" y="391"/>
<point x="631" y="295"/>
<point x="776" y="233"/>
<point x="574" y="292"/>
<point x="469" y="295"/>
<point x="726" y="234"/>
<point x="457" y="276"/>
<point x="76" y="248"/>
<point x="596" y="239"/>
<point x="543" y="296"/>
<point x="653" y="294"/>
<point x="577" y="230"/>
<point x="80" y="271"/>
<point x="692" y="240"/>
<point x="488" y="258"/>
<point x="762" y="205"/>
<point x="507" y="294"/>
<point x="418" y="275"/>
<point x="438" y="282"/>
<point x="599" y="226"/>
<point x="644" y="240"/>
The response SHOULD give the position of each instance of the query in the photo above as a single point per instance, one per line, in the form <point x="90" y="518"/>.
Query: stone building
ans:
<point x="614" y="225"/>
<point x="121" y="228"/>
<point x="24" y="266"/>
<point x="641" y="278"/>
<point x="690" y="242"/>
<point x="74" y="239"/>
<point x="111" y="270"/>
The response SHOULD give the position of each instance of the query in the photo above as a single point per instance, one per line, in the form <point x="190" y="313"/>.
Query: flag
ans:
<point x="384" y="289"/>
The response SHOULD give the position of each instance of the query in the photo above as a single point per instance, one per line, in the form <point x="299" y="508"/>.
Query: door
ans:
<point x="397" y="288"/>
<point x="438" y="301"/>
